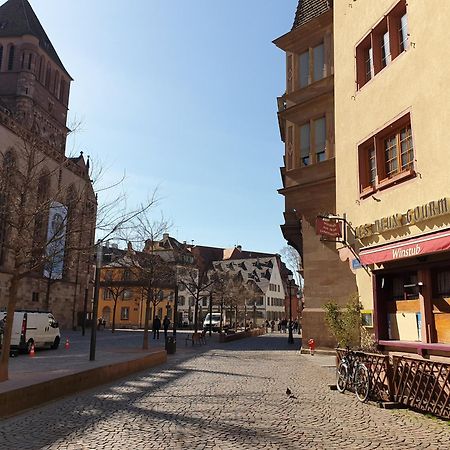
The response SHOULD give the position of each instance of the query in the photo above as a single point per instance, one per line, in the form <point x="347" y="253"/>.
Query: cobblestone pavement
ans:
<point x="228" y="397"/>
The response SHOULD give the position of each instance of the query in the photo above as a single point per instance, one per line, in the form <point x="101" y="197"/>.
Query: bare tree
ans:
<point x="294" y="262"/>
<point x="115" y="278"/>
<point x="197" y="281"/>
<point x="47" y="222"/>
<point x="153" y="272"/>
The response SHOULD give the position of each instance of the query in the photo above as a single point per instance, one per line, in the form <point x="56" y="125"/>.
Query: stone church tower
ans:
<point x="34" y="98"/>
<point x="34" y="84"/>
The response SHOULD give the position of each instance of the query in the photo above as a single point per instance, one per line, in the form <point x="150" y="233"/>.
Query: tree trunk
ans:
<point x="221" y="315"/>
<point x="6" y="342"/>
<point x="196" y="316"/>
<point x="113" y="324"/>
<point x="146" y="320"/>
<point x="47" y="293"/>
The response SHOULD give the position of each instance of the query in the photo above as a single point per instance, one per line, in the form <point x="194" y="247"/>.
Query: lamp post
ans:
<point x="175" y="307"/>
<point x="210" y="312"/>
<point x="290" y="337"/>
<point x="98" y="265"/>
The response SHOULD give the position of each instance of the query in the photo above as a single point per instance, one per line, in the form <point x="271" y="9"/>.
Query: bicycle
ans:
<point x="352" y="372"/>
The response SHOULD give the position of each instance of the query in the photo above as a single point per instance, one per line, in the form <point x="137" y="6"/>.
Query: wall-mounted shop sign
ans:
<point x="328" y="227"/>
<point x="414" y="215"/>
<point x="408" y="248"/>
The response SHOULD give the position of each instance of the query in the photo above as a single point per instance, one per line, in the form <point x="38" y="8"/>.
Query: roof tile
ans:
<point x="310" y="9"/>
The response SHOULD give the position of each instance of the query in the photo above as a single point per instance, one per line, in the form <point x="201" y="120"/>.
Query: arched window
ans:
<point x="12" y="50"/>
<point x="56" y="85"/>
<point x="41" y="69"/>
<point x="48" y="76"/>
<point x="1" y="57"/>
<point x="62" y="93"/>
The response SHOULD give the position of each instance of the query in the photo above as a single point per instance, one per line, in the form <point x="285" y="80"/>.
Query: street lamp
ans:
<point x="98" y="265"/>
<point x="290" y="337"/>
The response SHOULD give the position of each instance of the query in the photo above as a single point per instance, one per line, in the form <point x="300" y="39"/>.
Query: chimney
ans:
<point x="165" y="236"/>
<point x="239" y="247"/>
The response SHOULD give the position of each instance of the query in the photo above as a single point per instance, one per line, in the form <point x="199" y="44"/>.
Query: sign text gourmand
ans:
<point x="414" y="215"/>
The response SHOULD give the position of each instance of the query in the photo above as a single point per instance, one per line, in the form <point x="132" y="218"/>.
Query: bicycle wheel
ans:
<point x="362" y="382"/>
<point x="341" y="377"/>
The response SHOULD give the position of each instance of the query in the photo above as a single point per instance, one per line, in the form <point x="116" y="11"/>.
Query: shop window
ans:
<point x="387" y="157"/>
<point x="124" y="313"/>
<point x="401" y="286"/>
<point x="442" y="284"/>
<point x="383" y="44"/>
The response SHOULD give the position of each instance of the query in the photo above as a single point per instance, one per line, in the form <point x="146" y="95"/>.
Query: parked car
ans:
<point x="214" y="322"/>
<point x="30" y="327"/>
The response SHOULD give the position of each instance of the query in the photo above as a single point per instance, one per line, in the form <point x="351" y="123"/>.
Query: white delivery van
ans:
<point x="214" y="322"/>
<point x="30" y="327"/>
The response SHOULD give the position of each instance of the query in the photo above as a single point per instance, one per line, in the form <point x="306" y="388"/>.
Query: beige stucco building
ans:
<point x="392" y="107"/>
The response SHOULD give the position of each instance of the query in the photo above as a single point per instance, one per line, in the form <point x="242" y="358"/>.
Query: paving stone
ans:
<point x="230" y="397"/>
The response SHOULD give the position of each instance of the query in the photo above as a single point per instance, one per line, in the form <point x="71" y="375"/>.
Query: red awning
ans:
<point x="409" y="248"/>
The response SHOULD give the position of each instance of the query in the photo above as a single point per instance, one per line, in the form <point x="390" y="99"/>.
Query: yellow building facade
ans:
<point x="130" y="299"/>
<point x="392" y="107"/>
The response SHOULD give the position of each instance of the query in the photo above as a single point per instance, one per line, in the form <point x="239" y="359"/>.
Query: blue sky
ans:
<point x="182" y="95"/>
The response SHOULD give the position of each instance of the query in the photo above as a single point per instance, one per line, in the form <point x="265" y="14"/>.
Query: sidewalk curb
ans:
<point x="17" y="400"/>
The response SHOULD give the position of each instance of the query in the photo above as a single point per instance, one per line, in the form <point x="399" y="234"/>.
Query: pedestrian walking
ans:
<point x="166" y="324"/>
<point x="272" y="325"/>
<point x="156" y="327"/>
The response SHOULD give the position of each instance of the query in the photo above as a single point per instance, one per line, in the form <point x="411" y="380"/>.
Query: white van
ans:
<point x="30" y="327"/>
<point x="214" y="322"/>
